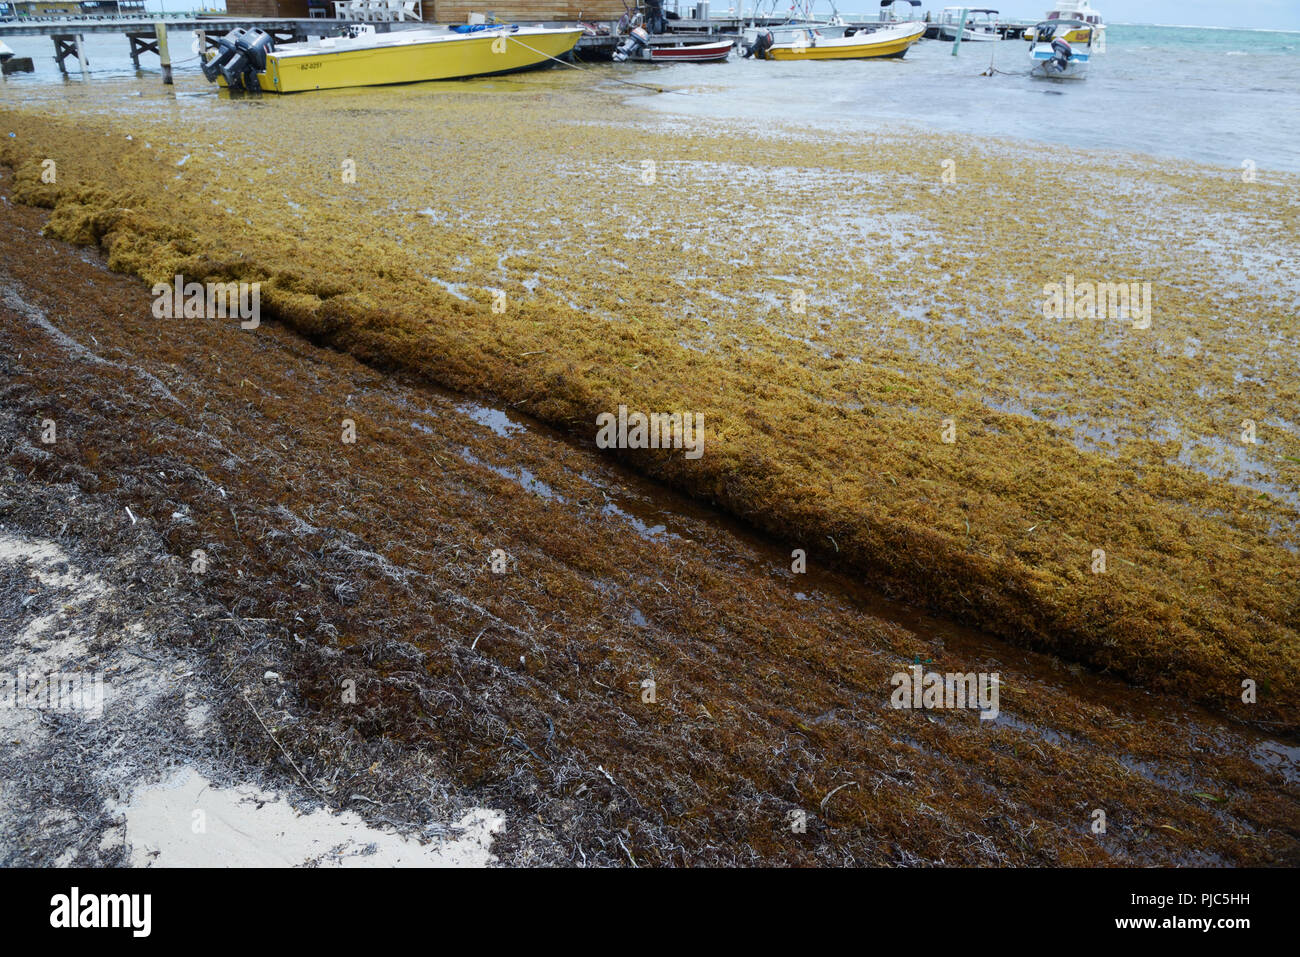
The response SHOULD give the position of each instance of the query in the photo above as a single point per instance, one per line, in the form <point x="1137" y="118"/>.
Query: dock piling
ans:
<point x="142" y="43"/>
<point x="66" y="46"/>
<point x="161" y="29"/>
<point x="81" y="57"/>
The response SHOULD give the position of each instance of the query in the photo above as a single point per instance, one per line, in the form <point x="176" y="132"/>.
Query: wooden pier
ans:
<point x="84" y="25"/>
<point x="143" y="35"/>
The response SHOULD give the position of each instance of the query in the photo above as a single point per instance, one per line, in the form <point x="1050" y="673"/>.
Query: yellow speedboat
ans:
<point x="251" y="60"/>
<point x="807" y="44"/>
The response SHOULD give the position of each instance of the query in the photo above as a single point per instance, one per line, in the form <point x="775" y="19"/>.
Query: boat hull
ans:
<point x="438" y="58"/>
<point x="883" y="44"/>
<point x="968" y="36"/>
<point x="1044" y="69"/>
<point x="693" y="53"/>
<point x="1078" y="36"/>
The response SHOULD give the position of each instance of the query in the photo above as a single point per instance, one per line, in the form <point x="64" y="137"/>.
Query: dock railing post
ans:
<point x="160" y="29"/>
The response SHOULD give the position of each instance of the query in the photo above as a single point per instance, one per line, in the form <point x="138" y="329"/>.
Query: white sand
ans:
<point x="186" y="822"/>
<point x="182" y="820"/>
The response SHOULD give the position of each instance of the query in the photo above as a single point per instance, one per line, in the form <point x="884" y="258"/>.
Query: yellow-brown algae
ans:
<point x="368" y="562"/>
<point x="924" y="304"/>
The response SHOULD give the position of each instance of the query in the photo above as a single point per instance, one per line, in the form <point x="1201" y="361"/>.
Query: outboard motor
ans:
<point x="762" y="43"/>
<point x="225" y="52"/>
<point x="636" y="41"/>
<point x="1063" y="52"/>
<point x="250" y="59"/>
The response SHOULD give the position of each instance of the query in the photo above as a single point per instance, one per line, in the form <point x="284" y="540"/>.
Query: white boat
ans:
<point x="640" y="47"/>
<point x="982" y="26"/>
<point x="1082" y="10"/>
<point x="888" y="42"/>
<point x="978" y="26"/>
<point x="792" y="30"/>
<point x="889" y="15"/>
<point x="1061" y="49"/>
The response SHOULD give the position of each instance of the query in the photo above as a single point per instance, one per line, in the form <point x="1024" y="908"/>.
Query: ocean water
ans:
<point x="1217" y="96"/>
<point x="1214" y="96"/>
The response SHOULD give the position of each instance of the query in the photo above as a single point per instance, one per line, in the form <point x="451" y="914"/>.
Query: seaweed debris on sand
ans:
<point x="850" y="312"/>
<point x="413" y="677"/>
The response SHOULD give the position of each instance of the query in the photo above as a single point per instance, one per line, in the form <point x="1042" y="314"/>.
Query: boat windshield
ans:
<point x="1048" y="29"/>
<point x="1091" y="18"/>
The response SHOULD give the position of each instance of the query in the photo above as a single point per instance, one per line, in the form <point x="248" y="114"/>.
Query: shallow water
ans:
<point x="1207" y="95"/>
<point x="1212" y="96"/>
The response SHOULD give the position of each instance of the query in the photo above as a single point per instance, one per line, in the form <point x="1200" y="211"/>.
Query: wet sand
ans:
<point x="371" y="563"/>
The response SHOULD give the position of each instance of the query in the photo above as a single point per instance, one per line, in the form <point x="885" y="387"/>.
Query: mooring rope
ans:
<point x="993" y="57"/>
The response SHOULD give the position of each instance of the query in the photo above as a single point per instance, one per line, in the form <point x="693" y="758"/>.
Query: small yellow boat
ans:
<point x="251" y="60"/>
<point x="807" y="44"/>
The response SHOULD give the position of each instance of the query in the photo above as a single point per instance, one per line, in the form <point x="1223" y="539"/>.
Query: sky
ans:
<point x="1266" y="14"/>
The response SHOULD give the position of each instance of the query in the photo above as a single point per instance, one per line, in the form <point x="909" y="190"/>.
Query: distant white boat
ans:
<point x="888" y="13"/>
<point x="978" y="26"/>
<point x="792" y="30"/>
<point x="1061" y="49"/>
